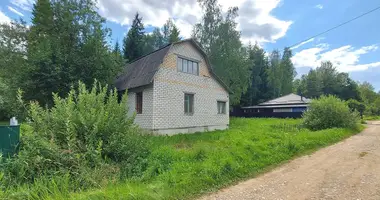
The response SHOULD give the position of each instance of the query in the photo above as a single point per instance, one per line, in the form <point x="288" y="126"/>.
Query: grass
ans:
<point x="186" y="166"/>
<point x="4" y="123"/>
<point x="371" y="117"/>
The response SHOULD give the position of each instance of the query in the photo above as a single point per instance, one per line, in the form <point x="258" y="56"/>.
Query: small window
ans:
<point x="189" y="103"/>
<point x="187" y="66"/>
<point x="221" y="107"/>
<point x="139" y="102"/>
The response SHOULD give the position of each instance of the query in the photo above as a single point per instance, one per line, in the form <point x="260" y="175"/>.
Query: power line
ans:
<point x="335" y="27"/>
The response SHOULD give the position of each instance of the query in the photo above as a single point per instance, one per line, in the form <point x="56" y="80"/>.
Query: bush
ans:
<point x="329" y="112"/>
<point x="355" y="105"/>
<point x="86" y="136"/>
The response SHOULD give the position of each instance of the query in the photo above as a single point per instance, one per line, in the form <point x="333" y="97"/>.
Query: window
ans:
<point x="189" y="103"/>
<point x="299" y="109"/>
<point x="139" y="102"/>
<point x="282" y="110"/>
<point x="187" y="66"/>
<point x="221" y="107"/>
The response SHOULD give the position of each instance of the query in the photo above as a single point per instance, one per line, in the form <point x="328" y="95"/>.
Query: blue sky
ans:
<point x="274" y="24"/>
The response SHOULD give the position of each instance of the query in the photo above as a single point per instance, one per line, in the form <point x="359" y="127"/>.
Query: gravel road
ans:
<point x="347" y="170"/>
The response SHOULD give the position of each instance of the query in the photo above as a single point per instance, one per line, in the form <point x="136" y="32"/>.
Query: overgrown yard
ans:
<point x="185" y="166"/>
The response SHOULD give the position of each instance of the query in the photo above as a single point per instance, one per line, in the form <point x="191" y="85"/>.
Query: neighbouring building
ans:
<point x="174" y="90"/>
<point x="288" y="106"/>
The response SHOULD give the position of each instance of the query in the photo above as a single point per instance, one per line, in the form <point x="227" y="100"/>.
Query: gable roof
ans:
<point x="141" y="71"/>
<point x="287" y="99"/>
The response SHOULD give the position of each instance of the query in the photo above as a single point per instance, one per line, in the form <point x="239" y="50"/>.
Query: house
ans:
<point x="174" y="90"/>
<point x="288" y="106"/>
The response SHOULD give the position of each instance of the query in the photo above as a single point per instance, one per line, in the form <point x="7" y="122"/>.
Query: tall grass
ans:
<point x="185" y="166"/>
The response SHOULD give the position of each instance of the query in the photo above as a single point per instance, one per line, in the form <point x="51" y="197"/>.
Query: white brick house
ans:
<point x="174" y="90"/>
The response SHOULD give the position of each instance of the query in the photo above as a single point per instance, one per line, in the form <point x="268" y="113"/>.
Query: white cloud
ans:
<point x="255" y="20"/>
<point x="4" y="18"/>
<point x="26" y="5"/>
<point x="319" y="6"/>
<point x="15" y="11"/>
<point x="345" y="58"/>
<point x="302" y="43"/>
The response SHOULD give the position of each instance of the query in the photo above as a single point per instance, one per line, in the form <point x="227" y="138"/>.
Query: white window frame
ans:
<point x="184" y="65"/>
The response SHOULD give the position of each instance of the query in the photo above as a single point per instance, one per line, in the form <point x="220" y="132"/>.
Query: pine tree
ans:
<point x="288" y="72"/>
<point x="116" y="49"/>
<point x="258" y="91"/>
<point x="275" y="74"/>
<point x="133" y="43"/>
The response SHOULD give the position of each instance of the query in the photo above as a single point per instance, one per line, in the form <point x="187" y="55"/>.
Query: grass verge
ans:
<point x="371" y="117"/>
<point x="186" y="166"/>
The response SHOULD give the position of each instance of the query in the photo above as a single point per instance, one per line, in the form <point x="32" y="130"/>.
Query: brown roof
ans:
<point x="141" y="71"/>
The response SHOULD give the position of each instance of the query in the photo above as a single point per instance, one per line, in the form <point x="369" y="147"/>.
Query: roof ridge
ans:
<point x="277" y="98"/>
<point x="163" y="47"/>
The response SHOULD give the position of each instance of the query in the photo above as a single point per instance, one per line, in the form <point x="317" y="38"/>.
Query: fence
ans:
<point x="238" y="112"/>
<point x="9" y="139"/>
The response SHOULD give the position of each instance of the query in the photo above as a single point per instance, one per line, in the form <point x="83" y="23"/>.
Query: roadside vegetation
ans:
<point x="85" y="148"/>
<point x="80" y="144"/>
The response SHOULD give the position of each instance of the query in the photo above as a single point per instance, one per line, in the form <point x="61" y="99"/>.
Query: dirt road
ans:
<point x="347" y="170"/>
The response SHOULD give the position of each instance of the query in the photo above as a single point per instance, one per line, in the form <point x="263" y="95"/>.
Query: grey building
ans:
<point x="174" y="90"/>
<point x="290" y="105"/>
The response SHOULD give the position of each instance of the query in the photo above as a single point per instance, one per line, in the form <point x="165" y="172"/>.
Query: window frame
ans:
<point x="189" y="64"/>
<point x="224" y="108"/>
<point x="188" y="109"/>
<point x="139" y="102"/>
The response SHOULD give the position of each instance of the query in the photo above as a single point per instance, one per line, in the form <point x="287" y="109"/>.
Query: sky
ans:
<point x="274" y="24"/>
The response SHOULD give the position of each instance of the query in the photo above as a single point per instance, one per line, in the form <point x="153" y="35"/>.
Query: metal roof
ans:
<point x="277" y="106"/>
<point x="287" y="99"/>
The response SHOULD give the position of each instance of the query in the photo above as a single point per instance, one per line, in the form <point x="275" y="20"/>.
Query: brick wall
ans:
<point x="170" y="87"/>
<point x="145" y="119"/>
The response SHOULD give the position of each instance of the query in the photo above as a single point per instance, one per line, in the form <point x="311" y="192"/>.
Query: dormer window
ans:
<point x="187" y="66"/>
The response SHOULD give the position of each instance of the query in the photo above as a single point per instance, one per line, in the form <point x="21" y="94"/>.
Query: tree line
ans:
<point x="68" y="41"/>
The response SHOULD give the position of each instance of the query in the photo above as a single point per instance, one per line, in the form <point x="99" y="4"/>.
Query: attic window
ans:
<point x="187" y="66"/>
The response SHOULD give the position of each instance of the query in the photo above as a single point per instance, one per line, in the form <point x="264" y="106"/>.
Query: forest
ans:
<point x="68" y="41"/>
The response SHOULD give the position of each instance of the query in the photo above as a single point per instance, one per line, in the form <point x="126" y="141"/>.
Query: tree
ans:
<point x="68" y="47"/>
<point x="44" y="73"/>
<point x="14" y="65"/>
<point x="133" y="43"/>
<point x="221" y="42"/>
<point x="274" y="74"/>
<point x="170" y="32"/>
<point x="258" y="91"/>
<point x="367" y="92"/>
<point x="326" y="80"/>
<point x="158" y="38"/>
<point x="288" y="72"/>
<point x="355" y="105"/>
<point x="116" y="49"/>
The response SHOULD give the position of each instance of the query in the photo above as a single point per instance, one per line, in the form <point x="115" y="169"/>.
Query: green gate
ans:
<point x="9" y="139"/>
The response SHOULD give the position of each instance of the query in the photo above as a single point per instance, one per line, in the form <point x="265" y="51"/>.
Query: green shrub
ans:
<point x="86" y="136"/>
<point x="355" y="105"/>
<point x="329" y="112"/>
